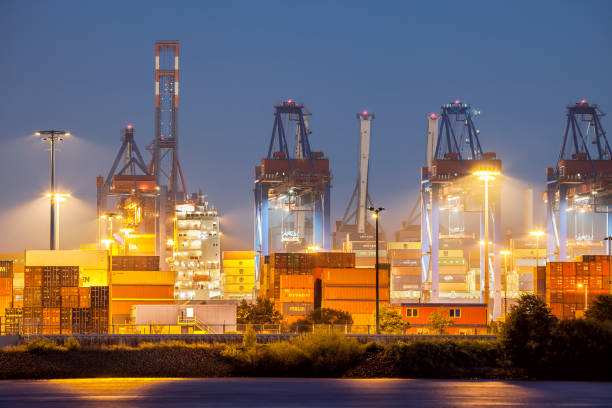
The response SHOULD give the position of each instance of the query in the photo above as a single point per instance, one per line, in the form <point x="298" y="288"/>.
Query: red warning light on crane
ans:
<point x="583" y="101"/>
<point x="457" y="101"/>
<point x="289" y="101"/>
<point x="365" y="113"/>
<point x="129" y="126"/>
<point x="433" y="116"/>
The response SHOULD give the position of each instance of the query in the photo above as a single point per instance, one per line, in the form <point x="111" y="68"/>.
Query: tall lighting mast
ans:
<point x="53" y="136"/>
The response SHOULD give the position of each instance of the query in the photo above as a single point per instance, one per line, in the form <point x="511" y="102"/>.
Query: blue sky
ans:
<point x="88" y="67"/>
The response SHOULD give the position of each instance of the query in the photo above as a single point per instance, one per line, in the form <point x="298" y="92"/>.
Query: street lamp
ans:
<point x="537" y="234"/>
<point x="609" y="239"/>
<point x="505" y="254"/>
<point x="110" y="216"/>
<point x="375" y="212"/>
<point x="486" y="176"/>
<point x="52" y="136"/>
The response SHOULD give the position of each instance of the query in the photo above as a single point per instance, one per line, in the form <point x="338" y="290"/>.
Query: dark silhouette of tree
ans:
<point x="259" y="312"/>
<point x="601" y="309"/>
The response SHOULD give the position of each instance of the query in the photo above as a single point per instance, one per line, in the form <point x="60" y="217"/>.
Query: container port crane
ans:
<point x="581" y="182"/>
<point x="292" y="192"/>
<point x="454" y="155"/>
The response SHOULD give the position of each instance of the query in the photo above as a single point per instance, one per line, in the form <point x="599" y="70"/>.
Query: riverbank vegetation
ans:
<point x="532" y="344"/>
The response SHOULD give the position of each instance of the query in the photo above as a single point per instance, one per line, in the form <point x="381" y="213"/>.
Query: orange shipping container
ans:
<point x="405" y="254"/>
<point x="354" y="292"/>
<point x="6" y="286"/>
<point x="300" y="295"/>
<point x="354" y="306"/>
<point x="296" y="281"/>
<point x="6" y="302"/>
<point x="354" y="276"/>
<point x="84" y="297"/>
<point x="124" y="307"/>
<point x="142" y="292"/>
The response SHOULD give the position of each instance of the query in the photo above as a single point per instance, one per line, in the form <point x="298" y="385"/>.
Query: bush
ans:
<point x="249" y="338"/>
<point x="41" y="345"/>
<point x="526" y="336"/>
<point x="391" y="321"/>
<point x="440" y="320"/>
<point x="440" y="358"/>
<point x="260" y="312"/>
<point x="72" y="344"/>
<point x="331" y="353"/>
<point x="582" y="349"/>
<point x="601" y="309"/>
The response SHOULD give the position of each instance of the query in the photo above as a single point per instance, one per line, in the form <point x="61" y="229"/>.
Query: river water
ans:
<point x="280" y="392"/>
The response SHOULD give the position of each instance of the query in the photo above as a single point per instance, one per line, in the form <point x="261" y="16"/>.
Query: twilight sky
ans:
<point x="87" y="67"/>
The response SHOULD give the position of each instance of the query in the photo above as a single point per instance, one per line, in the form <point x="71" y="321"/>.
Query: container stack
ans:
<point x="12" y="320"/>
<point x="143" y="285"/>
<point x="32" y="300"/>
<point x="239" y="274"/>
<point x="452" y="270"/>
<point x="406" y="271"/>
<point x="99" y="309"/>
<point x="291" y="280"/>
<point x="353" y="290"/>
<point x="572" y="286"/>
<point x="364" y="248"/>
<point x="6" y="286"/>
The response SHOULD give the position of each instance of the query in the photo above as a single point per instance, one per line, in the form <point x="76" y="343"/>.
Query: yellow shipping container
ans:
<point x="238" y="255"/>
<point x="451" y="269"/>
<point x="451" y="253"/>
<point x="240" y="271"/>
<point x="449" y="287"/>
<point x="403" y="245"/>
<point x="240" y="279"/>
<point x="247" y="288"/>
<point x="238" y="263"/>
<point x="528" y="252"/>
<point x="143" y="277"/>
<point x="93" y="277"/>
<point x="85" y="259"/>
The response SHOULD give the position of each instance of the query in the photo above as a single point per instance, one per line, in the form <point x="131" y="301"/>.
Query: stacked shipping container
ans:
<point x="6" y="286"/>
<point x="406" y="271"/>
<point x="239" y="274"/>
<point x="572" y="286"/>
<point x="353" y="290"/>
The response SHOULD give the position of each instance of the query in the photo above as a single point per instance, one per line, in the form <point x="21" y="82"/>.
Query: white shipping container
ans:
<point x="214" y="316"/>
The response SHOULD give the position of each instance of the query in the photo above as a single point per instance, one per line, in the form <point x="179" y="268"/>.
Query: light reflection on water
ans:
<point x="295" y="392"/>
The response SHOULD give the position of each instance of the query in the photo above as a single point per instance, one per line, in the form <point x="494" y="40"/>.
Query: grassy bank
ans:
<point x="314" y="355"/>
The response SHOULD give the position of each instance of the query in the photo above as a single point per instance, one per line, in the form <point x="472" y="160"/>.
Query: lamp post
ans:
<point x="586" y="294"/>
<point x="505" y="254"/>
<point x="375" y="212"/>
<point x="110" y="216"/>
<point x="57" y="198"/>
<point x="609" y="239"/>
<point x="486" y="175"/>
<point x="52" y="136"/>
<point x="126" y="233"/>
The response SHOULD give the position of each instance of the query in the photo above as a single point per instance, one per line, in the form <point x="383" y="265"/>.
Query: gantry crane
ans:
<point x="454" y="154"/>
<point x="292" y="193"/>
<point x="582" y="179"/>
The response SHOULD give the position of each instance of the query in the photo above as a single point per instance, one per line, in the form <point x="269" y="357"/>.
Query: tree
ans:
<point x="601" y="309"/>
<point x="260" y="312"/>
<point x="326" y="316"/>
<point x="527" y="334"/>
<point x="391" y="321"/>
<point x="440" y="320"/>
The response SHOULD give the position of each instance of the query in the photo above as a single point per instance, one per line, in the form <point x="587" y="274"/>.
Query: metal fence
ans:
<point x="177" y="329"/>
